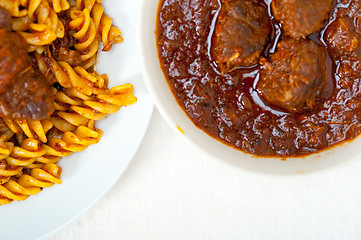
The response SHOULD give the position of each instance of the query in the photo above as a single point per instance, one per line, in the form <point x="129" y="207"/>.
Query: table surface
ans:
<point x="172" y="190"/>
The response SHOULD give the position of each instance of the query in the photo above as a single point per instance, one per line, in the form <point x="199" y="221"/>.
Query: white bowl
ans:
<point x="176" y="117"/>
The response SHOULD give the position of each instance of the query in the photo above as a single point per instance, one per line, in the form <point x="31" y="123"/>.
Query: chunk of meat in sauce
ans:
<point x="24" y="92"/>
<point x="343" y="39"/>
<point x="12" y="60"/>
<point x="28" y="98"/>
<point x="295" y="78"/>
<point x="4" y="19"/>
<point x="241" y="33"/>
<point x="61" y="53"/>
<point x="300" y="18"/>
<point x="61" y="48"/>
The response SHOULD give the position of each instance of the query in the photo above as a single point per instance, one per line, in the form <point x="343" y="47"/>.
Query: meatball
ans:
<point x="296" y="77"/>
<point x="24" y="92"/>
<point x="300" y="18"/>
<point x="13" y="57"/>
<point x="29" y="97"/>
<point x="241" y="33"/>
<point x="342" y="38"/>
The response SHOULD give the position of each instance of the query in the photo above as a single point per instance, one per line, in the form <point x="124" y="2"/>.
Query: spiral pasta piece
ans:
<point x="101" y="105"/>
<point x="31" y="128"/>
<point x="69" y="97"/>
<point x="60" y="5"/>
<point x="70" y="142"/>
<point x="84" y="81"/>
<point x="73" y="77"/>
<point x="26" y="185"/>
<point x="6" y="170"/>
<point x="109" y="33"/>
<point x="91" y="24"/>
<point x="14" y="7"/>
<point x="26" y="154"/>
<point x="37" y="21"/>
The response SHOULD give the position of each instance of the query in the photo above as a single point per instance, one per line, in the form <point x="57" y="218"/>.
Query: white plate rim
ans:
<point x="144" y="102"/>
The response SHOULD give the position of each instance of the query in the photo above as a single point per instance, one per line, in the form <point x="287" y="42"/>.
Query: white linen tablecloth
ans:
<point x="172" y="190"/>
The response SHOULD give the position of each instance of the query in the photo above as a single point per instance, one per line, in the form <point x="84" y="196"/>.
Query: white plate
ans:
<point x="88" y="175"/>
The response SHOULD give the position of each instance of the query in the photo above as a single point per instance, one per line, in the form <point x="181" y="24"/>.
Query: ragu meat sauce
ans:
<point x="273" y="101"/>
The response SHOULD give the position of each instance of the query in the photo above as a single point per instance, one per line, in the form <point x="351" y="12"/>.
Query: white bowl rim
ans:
<point x="336" y="157"/>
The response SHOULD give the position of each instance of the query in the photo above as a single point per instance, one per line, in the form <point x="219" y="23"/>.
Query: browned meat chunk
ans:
<point x="296" y="76"/>
<point x="300" y="18"/>
<point x="61" y="48"/>
<point x="4" y="19"/>
<point x="23" y="90"/>
<point x="342" y="38"/>
<point x="65" y="54"/>
<point x="12" y="60"/>
<point x="241" y="34"/>
<point x="29" y="97"/>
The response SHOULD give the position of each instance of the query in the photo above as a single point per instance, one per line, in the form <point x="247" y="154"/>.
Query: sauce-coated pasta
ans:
<point x="63" y="38"/>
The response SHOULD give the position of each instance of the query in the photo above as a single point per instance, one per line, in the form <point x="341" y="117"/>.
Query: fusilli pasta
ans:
<point x="91" y="24"/>
<point x="30" y="149"/>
